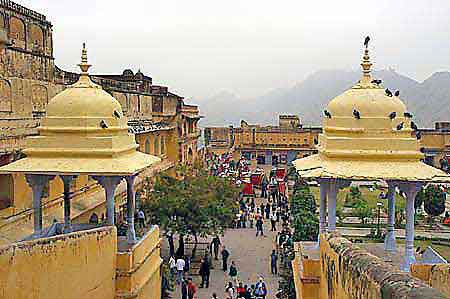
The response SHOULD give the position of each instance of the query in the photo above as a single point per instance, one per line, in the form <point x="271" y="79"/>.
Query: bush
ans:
<point x="303" y="208"/>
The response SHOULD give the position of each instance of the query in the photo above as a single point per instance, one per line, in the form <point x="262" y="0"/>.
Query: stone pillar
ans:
<point x="411" y="189"/>
<point x="109" y="183"/>
<point x="37" y="182"/>
<point x="332" y="197"/>
<point x="67" y="179"/>
<point x="131" y="234"/>
<point x="389" y="241"/>
<point x="322" y="209"/>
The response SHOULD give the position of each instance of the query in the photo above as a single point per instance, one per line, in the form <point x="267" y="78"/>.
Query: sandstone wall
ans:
<point x="76" y="265"/>
<point x="437" y="276"/>
<point x="348" y="271"/>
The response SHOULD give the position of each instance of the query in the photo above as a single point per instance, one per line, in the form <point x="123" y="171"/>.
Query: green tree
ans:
<point x="362" y="210"/>
<point x="303" y="208"/>
<point x="194" y="203"/>
<point x="340" y="213"/>
<point x="434" y="201"/>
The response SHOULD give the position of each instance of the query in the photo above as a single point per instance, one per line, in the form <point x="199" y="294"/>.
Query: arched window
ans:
<point x="147" y="147"/>
<point x="156" y="145"/>
<point x="163" y="145"/>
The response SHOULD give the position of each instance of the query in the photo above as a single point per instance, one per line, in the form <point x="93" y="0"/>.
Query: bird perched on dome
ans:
<point x="397" y="93"/>
<point x="376" y="81"/>
<point x="327" y="113"/>
<point x="400" y="126"/>
<point x="103" y="125"/>
<point x="418" y="135"/>
<point x="356" y="114"/>
<point x="388" y="92"/>
<point x="116" y="114"/>
<point x="366" y="41"/>
<point x="413" y="126"/>
<point x="392" y="115"/>
<point x="408" y="115"/>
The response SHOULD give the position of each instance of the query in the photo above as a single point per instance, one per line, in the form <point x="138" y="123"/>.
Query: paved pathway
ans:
<point x="251" y="255"/>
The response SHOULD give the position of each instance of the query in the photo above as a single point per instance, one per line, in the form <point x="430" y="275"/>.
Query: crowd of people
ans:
<point x="272" y="208"/>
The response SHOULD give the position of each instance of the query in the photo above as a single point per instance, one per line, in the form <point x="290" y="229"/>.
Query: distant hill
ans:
<point x="429" y="100"/>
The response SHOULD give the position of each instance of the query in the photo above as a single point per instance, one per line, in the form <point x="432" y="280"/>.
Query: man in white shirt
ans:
<point x="172" y="266"/>
<point x="180" y="269"/>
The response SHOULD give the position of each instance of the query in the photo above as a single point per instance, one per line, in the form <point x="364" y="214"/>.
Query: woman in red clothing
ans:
<point x="240" y="291"/>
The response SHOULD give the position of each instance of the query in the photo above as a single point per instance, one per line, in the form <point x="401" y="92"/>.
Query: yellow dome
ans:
<point x="366" y="122"/>
<point x="83" y="132"/>
<point x="367" y="135"/>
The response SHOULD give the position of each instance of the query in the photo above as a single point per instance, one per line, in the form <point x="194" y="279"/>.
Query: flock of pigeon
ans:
<point x="103" y="123"/>
<point x="392" y="115"/>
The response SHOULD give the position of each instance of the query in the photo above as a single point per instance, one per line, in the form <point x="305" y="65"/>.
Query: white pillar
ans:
<point x="67" y="222"/>
<point x="131" y="233"/>
<point x="411" y="189"/>
<point x="109" y="183"/>
<point x="389" y="241"/>
<point x="37" y="183"/>
<point x="332" y="196"/>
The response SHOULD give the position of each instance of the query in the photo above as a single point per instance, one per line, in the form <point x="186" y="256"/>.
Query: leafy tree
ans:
<point x="194" y="203"/>
<point x="434" y="201"/>
<point x="362" y="210"/>
<point x="340" y="213"/>
<point x="303" y="208"/>
<point x="353" y="197"/>
<point x="418" y="201"/>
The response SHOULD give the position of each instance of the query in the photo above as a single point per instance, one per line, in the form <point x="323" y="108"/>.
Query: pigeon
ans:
<point x="397" y="93"/>
<point x="418" y="135"/>
<point x="116" y="114"/>
<point x="388" y="92"/>
<point x="400" y="126"/>
<point x="356" y="114"/>
<point x="366" y="41"/>
<point x="413" y="126"/>
<point x="392" y="115"/>
<point x="408" y="115"/>
<point x="316" y="141"/>
<point x="377" y="81"/>
<point x="103" y="125"/>
<point x="327" y="113"/>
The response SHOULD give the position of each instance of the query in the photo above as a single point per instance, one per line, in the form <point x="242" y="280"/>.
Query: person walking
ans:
<point x="233" y="272"/>
<point x="204" y="273"/>
<point x="259" y="226"/>
<point x="260" y="289"/>
<point x="141" y="218"/>
<point x="172" y="266"/>
<point x="225" y="255"/>
<point x="273" y="222"/>
<point x="180" y="269"/>
<point x="264" y="187"/>
<point x="192" y="289"/>
<point x="273" y="262"/>
<point x="229" y="290"/>
<point x="184" y="289"/>
<point x="240" y="290"/>
<point x="215" y="243"/>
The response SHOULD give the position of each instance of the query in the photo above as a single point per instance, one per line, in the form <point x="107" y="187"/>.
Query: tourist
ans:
<point x="273" y="221"/>
<point x="259" y="226"/>
<point x="249" y="292"/>
<point x="229" y="289"/>
<point x="273" y="262"/>
<point x="233" y="272"/>
<point x="240" y="290"/>
<point x="169" y="236"/>
<point x="141" y="218"/>
<point x="192" y="289"/>
<point x="260" y="289"/>
<point x="251" y="217"/>
<point x="264" y="187"/>
<point x="225" y="254"/>
<point x="172" y="266"/>
<point x="180" y="269"/>
<point x="204" y="273"/>
<point x="184" y="289"/>
<point x="215" y="243"/>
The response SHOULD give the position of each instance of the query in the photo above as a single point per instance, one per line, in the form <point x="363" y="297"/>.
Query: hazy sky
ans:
<point x="201" y="47"/>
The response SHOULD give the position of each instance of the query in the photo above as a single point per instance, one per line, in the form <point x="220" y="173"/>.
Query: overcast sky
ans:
<point x="202" y="47"/>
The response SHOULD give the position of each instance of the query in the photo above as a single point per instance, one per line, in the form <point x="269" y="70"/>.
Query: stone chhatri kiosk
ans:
<point x="367" y="137"/>
<point x="84" y="133"/>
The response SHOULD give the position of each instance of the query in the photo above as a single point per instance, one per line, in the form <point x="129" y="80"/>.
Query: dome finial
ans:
<point x="366" y="64"/>
<point x="84" y="65"/>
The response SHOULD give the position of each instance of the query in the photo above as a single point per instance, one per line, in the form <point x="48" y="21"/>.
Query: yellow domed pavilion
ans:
<point x="84" y="132"/>
<point x="367" y="136"/>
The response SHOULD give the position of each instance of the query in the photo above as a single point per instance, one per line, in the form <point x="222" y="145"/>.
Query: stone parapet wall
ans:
<point x="347" y="271"/>
<point x="436" y="276"/>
